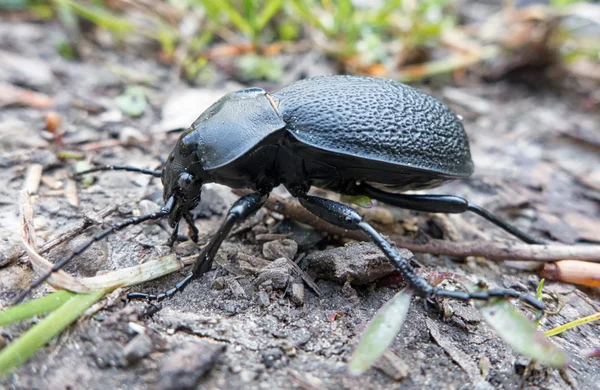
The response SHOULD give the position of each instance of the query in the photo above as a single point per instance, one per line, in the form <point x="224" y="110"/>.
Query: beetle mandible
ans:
<point x="350" y="134"/>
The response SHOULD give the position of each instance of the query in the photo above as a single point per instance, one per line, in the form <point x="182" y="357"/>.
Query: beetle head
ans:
<point x="182" y="179"/>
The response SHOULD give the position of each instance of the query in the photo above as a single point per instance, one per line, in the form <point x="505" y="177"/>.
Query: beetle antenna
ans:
<point x="155" y="173"/>
<point x="114" y="228"/>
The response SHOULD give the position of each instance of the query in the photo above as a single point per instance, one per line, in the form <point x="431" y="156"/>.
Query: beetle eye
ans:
<point x="184" y="180"/>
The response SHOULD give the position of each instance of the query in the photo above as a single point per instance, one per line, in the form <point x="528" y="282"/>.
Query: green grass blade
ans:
<point x="272" y="7"/>
<point x="236" y="18"/>
<point x="538" y="294"/>
<point x="306" y="13"/>
<point x="380" y="333"/>
<point x="19" y="351"/>
<point x="100" y="17"/>
<point x="34" y="307"/>
<point x="521" y="334"/>
<point x="573" y="324"/>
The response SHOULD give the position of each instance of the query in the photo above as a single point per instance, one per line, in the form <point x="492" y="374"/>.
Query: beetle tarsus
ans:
<point x="167" y="294"/>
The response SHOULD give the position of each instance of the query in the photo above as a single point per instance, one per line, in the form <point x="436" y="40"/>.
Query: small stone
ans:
<point x="247" y="376"/>
<point x="278" y="272"/>
<point x="218" y="283"/>
<point x="236" y="288"/>
<point x="271" y="356"/>
<point x="148" y="207"/>
<point x="138" y="348"/>
<point x="362" y="263"/>
<point x="392" y="365"/>
<point x="281" y="248"/>
<point x="348" y="291"/>
<point x="297" y="294"/>
<point x="263" y="298"/>
<point x="184" y="368"/>
<point x="130" y="136"/>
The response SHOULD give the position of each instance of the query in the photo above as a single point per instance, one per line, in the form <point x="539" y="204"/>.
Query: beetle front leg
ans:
<point x="193" y="230"/>
<point x="174" y="235"/>
<point x="241" y="209"/>
<point x="345" y="217"/>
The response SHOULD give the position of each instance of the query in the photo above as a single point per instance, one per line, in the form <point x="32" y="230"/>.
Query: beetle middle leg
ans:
<point x="345" y="217"/>
<point x="448" y="204"/>
<point x="241" y="209"/>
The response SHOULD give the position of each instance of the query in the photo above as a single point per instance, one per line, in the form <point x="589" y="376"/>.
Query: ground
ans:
<point x="536" y="156"/>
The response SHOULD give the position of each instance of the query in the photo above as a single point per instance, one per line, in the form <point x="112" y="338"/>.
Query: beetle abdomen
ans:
<point x="376" y="119"/>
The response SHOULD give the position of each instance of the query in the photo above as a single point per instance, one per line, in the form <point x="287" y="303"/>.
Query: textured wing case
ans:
<point x="376" y="119"/>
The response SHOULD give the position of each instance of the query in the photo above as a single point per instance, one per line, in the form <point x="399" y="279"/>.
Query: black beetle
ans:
<point x="353" y="135"/>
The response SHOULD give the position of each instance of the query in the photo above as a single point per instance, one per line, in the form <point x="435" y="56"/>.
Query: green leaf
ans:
<point x="521" y="334"/>
<point x="34" y="307"/>
<point x="86" y="180"/>
<point x="359" y="200"/>
<point x="380" y="333"/>
<point x="133" y="101"/>
<point x="20" y="350"/>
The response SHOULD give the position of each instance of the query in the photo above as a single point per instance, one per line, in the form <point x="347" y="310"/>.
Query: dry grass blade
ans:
<point x="33" y="178"/>
<point x="124" y="277"/>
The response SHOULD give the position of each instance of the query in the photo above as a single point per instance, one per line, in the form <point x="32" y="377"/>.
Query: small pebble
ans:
<point x="236" y="288"/>
<point x="271" y="356"/>
<point x="297" y="294"/>
<point x="138" y="348"/>
<point x="263" y="298"/>
<point x="218" y="283"/>
<point x="130" y="136"/>
<point x="183" y="368"/>
<point x="281" y="248"/>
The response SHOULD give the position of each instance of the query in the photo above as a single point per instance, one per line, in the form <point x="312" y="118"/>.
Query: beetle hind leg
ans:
<point x="344" y="216"/>
<point x="448" y="204"/>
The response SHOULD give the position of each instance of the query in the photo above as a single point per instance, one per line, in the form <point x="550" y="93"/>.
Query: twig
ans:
<point x="32" y="178"/>
<point x="447" y="65"/>
<point x="489" y="249"/>
<point x="74" y="231"/>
